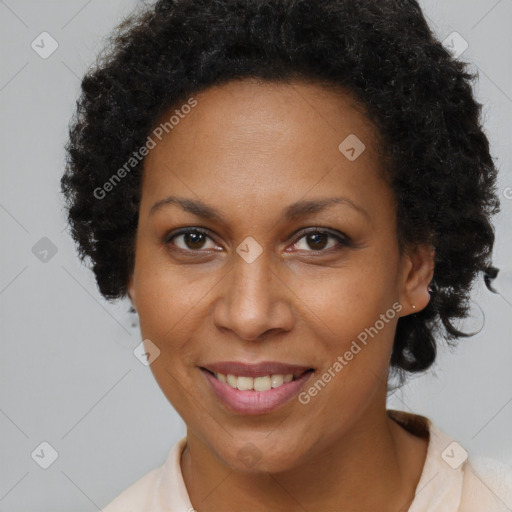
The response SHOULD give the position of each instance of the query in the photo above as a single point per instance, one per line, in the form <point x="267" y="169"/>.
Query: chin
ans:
<point x="264" y="456"/>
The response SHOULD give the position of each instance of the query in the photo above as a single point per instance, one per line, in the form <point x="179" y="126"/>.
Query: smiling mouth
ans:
<point x="260" y="383"/>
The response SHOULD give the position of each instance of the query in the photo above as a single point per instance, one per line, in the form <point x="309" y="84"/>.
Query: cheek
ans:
<point x="345" y="302"/>
<point x="169" y="307"/>
<point x="168" y="296"/>
<point x="355" y="314"/>
<point x="355" y="358"/>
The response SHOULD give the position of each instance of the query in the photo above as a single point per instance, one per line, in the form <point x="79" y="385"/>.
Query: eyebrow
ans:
<point x="292" y="212"/>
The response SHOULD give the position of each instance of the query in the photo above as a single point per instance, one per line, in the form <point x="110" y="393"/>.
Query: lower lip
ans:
<point x="256" y="402"/>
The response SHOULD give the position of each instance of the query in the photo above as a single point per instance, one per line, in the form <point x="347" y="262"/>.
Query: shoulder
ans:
<point x="486" y="485"/>
<point x="452" y="480"/>
<point x="160" y="490"/>
<point x="136" y="496"/>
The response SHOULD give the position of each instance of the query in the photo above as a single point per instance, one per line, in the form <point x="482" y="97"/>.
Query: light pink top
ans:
<point x="449" y="482"/>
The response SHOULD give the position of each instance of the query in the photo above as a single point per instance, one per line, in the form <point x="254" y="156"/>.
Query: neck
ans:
<point x="376" y="465"/>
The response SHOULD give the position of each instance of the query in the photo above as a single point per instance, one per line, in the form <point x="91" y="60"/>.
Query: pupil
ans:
<point x="193" y="238"/>
<point x="314" y="236"/>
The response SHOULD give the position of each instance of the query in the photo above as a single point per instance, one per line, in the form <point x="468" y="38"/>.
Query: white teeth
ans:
<point x="277" y="380"/>
<point x="244" y="383"/>
<point x="257" y="383"/>
<point x="262" y="383"/>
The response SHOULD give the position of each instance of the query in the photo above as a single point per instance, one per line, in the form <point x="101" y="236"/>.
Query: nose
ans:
<point x="254" y="301"/>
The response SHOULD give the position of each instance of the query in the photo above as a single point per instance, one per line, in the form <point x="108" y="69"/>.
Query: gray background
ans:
<point x="68" y="373"/>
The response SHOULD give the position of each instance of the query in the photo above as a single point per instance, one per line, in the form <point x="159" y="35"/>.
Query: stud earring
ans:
<point x="413" y="306"/>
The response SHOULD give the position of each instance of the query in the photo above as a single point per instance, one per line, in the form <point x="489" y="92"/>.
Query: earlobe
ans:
<point x="418" y="273"/>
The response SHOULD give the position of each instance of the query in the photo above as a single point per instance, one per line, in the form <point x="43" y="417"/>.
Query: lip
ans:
<point x="256" y="370"/>
<point x="255" y="402"/>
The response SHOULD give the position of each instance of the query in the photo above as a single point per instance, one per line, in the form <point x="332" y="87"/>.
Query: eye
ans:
<point x="192" y="239"/>
<point x="317" y="240"/>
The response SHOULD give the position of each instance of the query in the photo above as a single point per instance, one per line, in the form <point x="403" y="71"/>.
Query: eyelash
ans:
<point x="343" y="241"/>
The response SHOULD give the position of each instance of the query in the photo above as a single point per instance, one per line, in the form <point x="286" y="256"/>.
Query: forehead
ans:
<point x="265" y="141"/>
<point x="295" y="111"/>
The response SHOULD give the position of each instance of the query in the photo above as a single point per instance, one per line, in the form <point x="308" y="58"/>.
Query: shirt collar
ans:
<point x="439" y="488"/>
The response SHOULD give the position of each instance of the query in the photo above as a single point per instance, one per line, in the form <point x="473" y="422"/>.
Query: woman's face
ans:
<point x="253" y="285"/>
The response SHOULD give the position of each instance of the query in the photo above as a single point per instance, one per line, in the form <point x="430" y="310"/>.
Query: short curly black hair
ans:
<point x="382" y="51"/>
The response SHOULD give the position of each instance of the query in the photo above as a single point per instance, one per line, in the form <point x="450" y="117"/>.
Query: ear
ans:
<point x="418" y="271"/>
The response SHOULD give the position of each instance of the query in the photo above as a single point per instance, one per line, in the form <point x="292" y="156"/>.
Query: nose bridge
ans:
<point x="250" y="289"/>
<point x="249" y="305"/>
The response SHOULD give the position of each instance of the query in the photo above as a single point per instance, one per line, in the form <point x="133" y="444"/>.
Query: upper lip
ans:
<point x="256" y="370"/>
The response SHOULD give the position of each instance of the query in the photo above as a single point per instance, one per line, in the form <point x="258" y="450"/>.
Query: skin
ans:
<point x="251" y="149"/>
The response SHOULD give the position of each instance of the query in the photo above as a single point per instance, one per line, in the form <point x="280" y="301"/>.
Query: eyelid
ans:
<point x="340" y="237"/>
<point x="183" y="231"/>
<point x="319" y="229"/>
